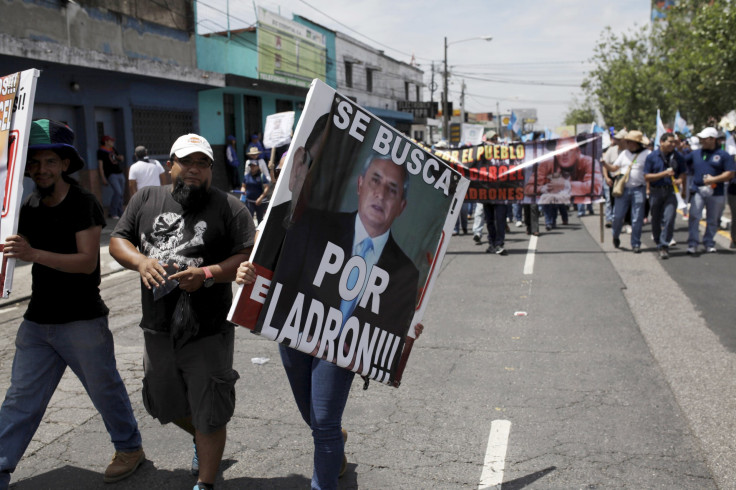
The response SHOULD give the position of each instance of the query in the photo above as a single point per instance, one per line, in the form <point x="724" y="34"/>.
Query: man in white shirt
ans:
<point x="145" y="172"/>
<point x="630" y="162"/>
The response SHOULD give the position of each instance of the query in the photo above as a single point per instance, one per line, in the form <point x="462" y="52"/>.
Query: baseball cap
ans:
<point x="191" y="143"/>
<point x="708" y="133"/>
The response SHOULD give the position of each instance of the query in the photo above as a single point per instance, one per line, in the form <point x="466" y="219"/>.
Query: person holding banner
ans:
<point x="320" y="387"/>
<point x="193" y="236"/>
<point x="66" y="323"/>
<point x="663" y="169"/>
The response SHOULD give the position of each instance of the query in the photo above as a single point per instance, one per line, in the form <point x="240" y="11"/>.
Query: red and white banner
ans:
<point x="17" y="92"/>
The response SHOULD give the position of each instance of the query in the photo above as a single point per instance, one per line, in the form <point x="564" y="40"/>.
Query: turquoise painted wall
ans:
<point x="211" y="122"/>
<point x="237" y="55"/>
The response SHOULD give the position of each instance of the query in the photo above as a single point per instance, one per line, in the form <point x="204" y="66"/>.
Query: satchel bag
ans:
<point x="620" y="182"/>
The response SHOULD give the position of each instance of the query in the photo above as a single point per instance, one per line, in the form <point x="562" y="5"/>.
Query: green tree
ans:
<point x="686" y="63"/>
<point x="580" y="113"/>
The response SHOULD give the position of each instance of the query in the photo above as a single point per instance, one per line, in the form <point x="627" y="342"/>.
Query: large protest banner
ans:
<point x="558" y="171"/>
<point x="17" y="92"/>
<point x="356" y="229"/>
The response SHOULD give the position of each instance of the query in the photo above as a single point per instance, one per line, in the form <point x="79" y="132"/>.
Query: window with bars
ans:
<point x="157" y="129"/>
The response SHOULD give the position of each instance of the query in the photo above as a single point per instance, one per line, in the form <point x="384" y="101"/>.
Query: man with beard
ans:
<point x="66" y="320"/>
<point x="193" y="236"/>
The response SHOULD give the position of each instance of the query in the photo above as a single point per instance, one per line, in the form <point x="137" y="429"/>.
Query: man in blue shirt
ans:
<point x="663" y="169"/>
<point x="711" y="167"/>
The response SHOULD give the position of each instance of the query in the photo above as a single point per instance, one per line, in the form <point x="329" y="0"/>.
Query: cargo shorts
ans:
<point x="197" y="380"/>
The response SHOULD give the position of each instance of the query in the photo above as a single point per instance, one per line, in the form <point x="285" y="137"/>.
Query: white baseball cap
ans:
<point x="191" y="143"/>
<point x="708" y="133"/>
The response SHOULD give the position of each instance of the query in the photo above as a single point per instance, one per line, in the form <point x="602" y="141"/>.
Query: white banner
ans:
<point x="13" y="162"/>
<point x="278" y="129"/>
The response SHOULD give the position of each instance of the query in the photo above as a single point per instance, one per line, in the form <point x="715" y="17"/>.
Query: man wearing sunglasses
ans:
<point x="195" y="235"/>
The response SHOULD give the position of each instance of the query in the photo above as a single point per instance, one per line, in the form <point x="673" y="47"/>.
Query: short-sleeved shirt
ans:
<point x="710" y="162"/>
<point x="658" y="162"/>
<point x="62" y="297"/>
<point x="254" y="185"/>
<point x="159" y="226"/>
<point x="110" y="164"/>
<point x="636" y="161"/>
<point x="146" y="173"/>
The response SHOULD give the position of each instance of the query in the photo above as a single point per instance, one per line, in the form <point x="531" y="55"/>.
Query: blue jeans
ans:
<point x="713" y="209"/>
<point x="42" y="353"/>
<point x="478" y="219"/>
<point x="321" y="391"/>
<point x="117" y="185"/>
<point x="550" y="214"/>
<point x="516" y="209"/>
<point x="634" y="198"/>
<point x="663" y="205"/>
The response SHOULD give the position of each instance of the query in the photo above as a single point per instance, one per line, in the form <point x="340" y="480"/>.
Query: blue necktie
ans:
<point x="347" y="307"/>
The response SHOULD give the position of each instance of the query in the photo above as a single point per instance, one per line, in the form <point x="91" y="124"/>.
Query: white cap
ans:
<point x="190" y="143"/>
<point x="708" y="133"/>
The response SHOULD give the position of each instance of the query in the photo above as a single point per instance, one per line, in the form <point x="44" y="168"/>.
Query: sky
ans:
<point x="537" y="59"/>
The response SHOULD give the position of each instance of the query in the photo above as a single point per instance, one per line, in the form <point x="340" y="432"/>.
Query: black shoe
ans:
<point x="664" y="254"/>
<point x="476" y="238"/>
<point x="547" y="227"/>
<point x="609" y="224"/>
<point x="500" y="250"/>
<point x="616" y="242"/>
<point x="637" y="250"/>
<point x="491" y="249"/>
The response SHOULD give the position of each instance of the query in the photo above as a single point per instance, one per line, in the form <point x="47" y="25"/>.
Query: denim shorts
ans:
<point x="197" y="380"/>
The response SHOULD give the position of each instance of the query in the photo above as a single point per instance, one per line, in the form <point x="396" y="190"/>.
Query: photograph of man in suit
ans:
<point x="318" y="257"/>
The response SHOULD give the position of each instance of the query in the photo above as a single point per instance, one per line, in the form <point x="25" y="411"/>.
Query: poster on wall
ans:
<point x="356" y="230"/>
<point x="17" y="92"/>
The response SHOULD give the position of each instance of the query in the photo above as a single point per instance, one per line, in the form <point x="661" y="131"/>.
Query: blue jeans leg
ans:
<point x="37" y="369"/>
<point x="713" y="210"/>
<point x="550" y="214"/>
<point x="517" y="211"/>
<point x="501" y="212"/>
<point x="638" y="201"/>
<point x="697" y="203"/>
<point x="478" y="220"/>
<point x="117" y="185"/>
<point x="88" y="348"/>
<point x="321" y="392"/>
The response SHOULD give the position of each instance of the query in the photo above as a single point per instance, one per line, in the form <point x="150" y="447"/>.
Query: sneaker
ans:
<point x="195" y="462"/>
<point x="628" y="229"/>
<point x="519" y="224"/>
<point x="500" y="250"/>
<point x="673" y="242"/>
<point x="712" y="250"/>
<point x="691" y="250"/>
<point x="491" y="249"/>
<point x="609" y="224"/>
<point x="616" y="242"/>
<point x="547" y="227"/>
<point x="123" y="465"/>
<point x="476" y="238"/>
<point x="664" y="254"/>
<point x="637" y="250"/>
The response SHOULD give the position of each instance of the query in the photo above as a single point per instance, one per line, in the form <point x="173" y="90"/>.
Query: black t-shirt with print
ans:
<point x="62" y="297"/>
<point x="158" y="225"/>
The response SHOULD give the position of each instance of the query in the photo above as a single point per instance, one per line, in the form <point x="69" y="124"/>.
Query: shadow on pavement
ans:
<point x="527" y="480"/>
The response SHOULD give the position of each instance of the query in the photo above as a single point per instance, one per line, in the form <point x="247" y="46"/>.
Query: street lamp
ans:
<point x="445" y="103"/>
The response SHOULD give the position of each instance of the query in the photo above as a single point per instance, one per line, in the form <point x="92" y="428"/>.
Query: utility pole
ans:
<point x="462" y="102"/>
<point x="431" y="87"/>
<point x="498" y="119"/>
<point x="445" y="115"/>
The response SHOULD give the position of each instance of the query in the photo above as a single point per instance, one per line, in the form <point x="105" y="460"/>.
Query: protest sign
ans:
<point x="17" y="92"/>
<point x="559" y="171"/>
<point x="278" y="129"/>
<point x="357" y="226"/>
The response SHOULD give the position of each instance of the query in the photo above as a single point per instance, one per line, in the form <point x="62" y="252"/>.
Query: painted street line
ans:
<point x="529" y="263"/>
<point x="498" y="440"/>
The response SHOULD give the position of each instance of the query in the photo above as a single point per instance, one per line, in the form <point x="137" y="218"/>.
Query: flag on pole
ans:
<point x="514" y="123"/>
<point x="730" y="143"/>
<point x="681" y="125"/>
<point x="660" y="130"/>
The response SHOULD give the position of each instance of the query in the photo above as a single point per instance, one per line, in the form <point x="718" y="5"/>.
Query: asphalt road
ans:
<point x="614" y="370"/>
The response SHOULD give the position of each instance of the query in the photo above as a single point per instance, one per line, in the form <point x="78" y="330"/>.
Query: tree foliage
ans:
<point x="580" y="113"/>
<point x="685" y="63"/>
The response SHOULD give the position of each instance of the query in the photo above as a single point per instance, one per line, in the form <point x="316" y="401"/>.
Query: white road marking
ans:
<point x="531" y="252"/>
<point x="8" y="309"/>
<point x="498" y="440"/>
